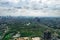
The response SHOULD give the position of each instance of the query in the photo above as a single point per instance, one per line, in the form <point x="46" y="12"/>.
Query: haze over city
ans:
<point x="29" y="19"/>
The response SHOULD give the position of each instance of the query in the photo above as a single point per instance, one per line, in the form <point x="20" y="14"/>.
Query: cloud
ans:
<point x="52" y="4"/>
<point x="30" y="8"/>
<point x="13" y="1"/>
<point x="26" y="12"/>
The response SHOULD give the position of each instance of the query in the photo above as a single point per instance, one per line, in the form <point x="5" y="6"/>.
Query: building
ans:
<point x="17" y="37"/>
<point x="21" y="38"/>
<point x="26" y="38"/>
<point x="36" y="38"/>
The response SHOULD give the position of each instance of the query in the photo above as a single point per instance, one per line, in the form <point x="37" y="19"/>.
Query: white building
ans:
<point x="36" y="38"/>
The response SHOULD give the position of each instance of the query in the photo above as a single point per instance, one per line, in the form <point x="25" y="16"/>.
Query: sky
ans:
<point x="41" y="8"/>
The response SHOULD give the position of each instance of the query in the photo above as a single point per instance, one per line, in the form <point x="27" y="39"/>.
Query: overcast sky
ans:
<point x="42" y="8"/>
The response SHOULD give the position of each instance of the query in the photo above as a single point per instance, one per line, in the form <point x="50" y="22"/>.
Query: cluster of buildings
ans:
<point x="26" y="38"/>
<point x="17" y="37"/>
